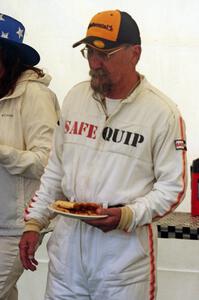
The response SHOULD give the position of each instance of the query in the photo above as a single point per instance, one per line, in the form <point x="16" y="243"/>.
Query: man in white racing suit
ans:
<point x="120" y="143"/>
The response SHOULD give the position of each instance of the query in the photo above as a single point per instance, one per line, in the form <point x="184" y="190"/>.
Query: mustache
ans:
<point x="98" y="73"/>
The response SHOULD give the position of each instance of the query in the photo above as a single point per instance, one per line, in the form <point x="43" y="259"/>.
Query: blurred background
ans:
<point x="170" y="61"/>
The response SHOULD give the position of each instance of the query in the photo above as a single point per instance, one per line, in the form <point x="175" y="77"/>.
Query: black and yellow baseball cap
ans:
<point x="110" y="29"/>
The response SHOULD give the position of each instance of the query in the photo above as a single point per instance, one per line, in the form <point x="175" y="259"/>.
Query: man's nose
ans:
<point x="95" y="62"/>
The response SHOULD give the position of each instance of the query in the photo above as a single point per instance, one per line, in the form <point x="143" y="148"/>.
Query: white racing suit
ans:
<point x="135" y="157"/>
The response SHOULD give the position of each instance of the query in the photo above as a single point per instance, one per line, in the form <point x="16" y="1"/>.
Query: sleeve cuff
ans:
<point x="33" y="225"/>
<point x="126" y="219"/>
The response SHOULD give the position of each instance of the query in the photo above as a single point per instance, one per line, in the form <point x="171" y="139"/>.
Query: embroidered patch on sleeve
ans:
<point x="180" y="145"/>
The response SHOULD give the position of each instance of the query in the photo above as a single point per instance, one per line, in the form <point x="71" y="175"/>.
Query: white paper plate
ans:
<point x="76" y="216"/>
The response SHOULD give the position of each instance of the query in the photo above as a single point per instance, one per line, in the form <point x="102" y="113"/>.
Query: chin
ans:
<point x="102" y="88"/>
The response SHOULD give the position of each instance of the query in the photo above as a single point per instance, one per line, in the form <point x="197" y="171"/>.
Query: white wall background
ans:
<point x="170" y="60"/>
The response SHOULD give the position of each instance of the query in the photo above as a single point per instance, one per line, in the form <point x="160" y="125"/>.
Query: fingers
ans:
<point x="108" y="223"/>
<point x="32" y="264"/>
<point x="26" y="261"/>
<point x="109" y="211"/>
<point x="27" y="247"/>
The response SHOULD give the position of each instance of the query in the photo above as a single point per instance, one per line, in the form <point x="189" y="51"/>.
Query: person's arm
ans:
<point x="39" y="117"/>
<point x="37" y="214"/>
<point x="169" y="155"/>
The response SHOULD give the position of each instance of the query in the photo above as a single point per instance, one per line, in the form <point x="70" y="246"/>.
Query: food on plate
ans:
<point x="82" y="208"/>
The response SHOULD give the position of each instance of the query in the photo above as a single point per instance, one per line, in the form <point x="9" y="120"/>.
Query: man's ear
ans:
<point x="136" y="50"/>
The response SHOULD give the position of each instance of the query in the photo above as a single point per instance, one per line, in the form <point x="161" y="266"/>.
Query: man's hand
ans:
<point x="110" y="222"/>
<point x="27" y="246"/>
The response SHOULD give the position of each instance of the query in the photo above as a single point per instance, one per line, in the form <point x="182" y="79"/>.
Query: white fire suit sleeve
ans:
<point x="39" y="117"/>
<point x="50" y="188"/>
<point x="169" y="156"/>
